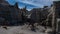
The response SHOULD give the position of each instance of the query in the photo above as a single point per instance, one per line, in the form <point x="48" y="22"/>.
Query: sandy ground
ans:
<point x="21" y="30"/>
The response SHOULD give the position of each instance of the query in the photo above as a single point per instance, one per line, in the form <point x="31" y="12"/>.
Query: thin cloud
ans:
<point x="32" y="3"/>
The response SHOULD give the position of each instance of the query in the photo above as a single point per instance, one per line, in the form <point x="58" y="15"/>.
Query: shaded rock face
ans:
<point x="4" y="2"/>
<point x="39" y="14"/>
<point x="35" y="14"/>
<point x="57" y="8"/>
<point x="57" y="11"/>
<point x="9" y="13"/>
<point x="1" y="1"/>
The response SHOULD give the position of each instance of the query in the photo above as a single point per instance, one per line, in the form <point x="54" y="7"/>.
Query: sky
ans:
<point x="31" y="3"/>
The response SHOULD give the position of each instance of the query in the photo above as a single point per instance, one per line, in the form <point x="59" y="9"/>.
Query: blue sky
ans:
<point x="31" y="3"/>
